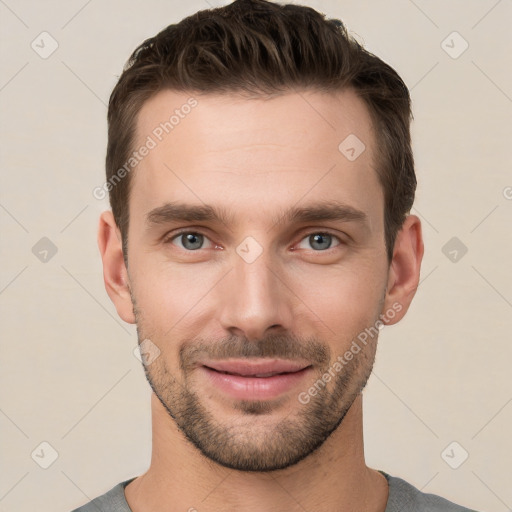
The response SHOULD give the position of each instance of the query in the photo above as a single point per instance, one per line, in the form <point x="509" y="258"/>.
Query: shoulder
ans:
<point x="404" y="496"/>
<point x="112" y="501"/>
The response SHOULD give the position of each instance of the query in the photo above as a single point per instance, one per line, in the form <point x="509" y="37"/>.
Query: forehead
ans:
<point x="220" y="121"/>
<point x="226" y="149"/>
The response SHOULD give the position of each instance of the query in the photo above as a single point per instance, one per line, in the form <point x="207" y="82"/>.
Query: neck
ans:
<point x="333" y="478"/>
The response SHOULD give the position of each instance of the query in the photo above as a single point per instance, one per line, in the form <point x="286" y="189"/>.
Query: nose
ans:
<point x="255" y="299"/>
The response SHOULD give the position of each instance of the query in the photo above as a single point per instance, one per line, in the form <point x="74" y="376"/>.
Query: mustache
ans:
<point x="273" y="346"/>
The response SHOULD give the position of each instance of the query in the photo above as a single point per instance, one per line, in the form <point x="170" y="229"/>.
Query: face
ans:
<point x="256" y="256"/>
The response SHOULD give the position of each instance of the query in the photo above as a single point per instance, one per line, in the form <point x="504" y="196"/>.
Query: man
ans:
<point x="260" y="174"/>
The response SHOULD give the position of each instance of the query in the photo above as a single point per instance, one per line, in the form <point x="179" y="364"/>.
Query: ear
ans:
<point x="115" y="274"/>
<point x="404" y="271"/>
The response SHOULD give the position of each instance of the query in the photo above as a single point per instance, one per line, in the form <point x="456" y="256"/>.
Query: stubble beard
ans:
<point x="277" y="443"/>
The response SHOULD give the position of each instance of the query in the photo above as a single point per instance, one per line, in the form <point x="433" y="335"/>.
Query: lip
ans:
<point x="251" y="368"/>
<point x="261" y="379"/>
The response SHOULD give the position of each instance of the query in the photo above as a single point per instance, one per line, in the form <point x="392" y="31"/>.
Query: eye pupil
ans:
<point x="192" y="241"/>
<point x="321" y="238"/>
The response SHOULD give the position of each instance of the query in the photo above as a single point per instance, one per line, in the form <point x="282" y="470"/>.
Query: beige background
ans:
<point x="68" y="373"/>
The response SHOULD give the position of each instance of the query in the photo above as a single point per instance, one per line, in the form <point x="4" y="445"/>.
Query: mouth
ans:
<point x="255" y="379"/>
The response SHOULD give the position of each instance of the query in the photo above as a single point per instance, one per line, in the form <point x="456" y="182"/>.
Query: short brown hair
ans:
<point x="261" y="48"/>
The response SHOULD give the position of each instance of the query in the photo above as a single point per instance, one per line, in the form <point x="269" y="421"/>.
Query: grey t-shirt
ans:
<point x="403" y="497"/>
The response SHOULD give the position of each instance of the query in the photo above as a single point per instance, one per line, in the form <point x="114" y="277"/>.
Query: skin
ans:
<point x="256" y="158"/>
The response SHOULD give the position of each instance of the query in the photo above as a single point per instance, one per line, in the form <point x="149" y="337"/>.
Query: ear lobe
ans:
<point x="404" y="271"/>
<point x="115" y="274"/>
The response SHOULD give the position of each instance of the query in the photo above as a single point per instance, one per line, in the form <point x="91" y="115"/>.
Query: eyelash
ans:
<point x="169" y="239"/>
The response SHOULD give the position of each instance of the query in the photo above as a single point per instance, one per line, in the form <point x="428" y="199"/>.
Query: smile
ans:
<point x="261" y="379"/>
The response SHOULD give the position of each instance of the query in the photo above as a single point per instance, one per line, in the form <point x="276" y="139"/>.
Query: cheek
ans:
<point x="345" y="299"/>
<point x="168" y="296"/>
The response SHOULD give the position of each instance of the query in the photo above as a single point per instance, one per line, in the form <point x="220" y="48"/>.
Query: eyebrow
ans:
<point x="319" y="211"/>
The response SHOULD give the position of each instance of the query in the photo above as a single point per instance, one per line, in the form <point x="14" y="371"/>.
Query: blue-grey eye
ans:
<point x="321" y="241"/>
<point x="190" y="241"/>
